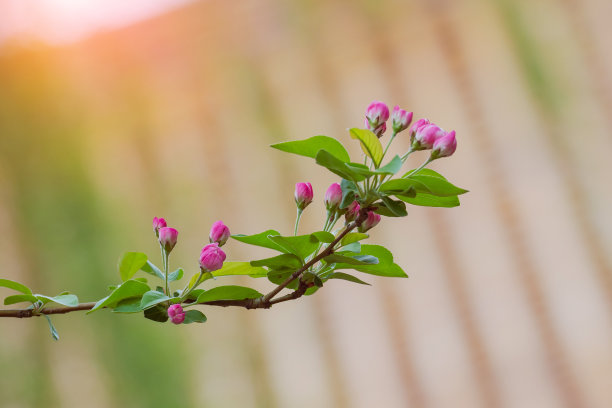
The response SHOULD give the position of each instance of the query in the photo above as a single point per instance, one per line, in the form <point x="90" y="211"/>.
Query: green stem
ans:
<point x="297" y="221"/>
<point x="388" y="144"/>
<point x="408" y="153"/>
<point x="429" y="160"/>
<point x="164" y="256"/>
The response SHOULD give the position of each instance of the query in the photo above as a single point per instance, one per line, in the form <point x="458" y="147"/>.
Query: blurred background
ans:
<point x="113" y="112"/>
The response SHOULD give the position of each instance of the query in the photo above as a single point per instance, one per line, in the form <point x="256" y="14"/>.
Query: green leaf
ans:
<point x="151" y="298"/>
<point x="66" y="300"/>
<point x="229" y="292"/>
<point x="369" y="144"/>
<point x="240" y="268"/>
<point x="337" y="166"/>
<point x="176" y="275"/>
<point x="311" y="146"/>
<point x="279" y="276"/>
<point x="15" y="286"/>
<point x="11" y="300"/>
<point x="194" y="316"/>
<point x="260" y="239"/>
<point x="402" y="186"/>
<point x="352" y="260"/>
<point x="52" y="329"/>
<point x="354" y="247"/>
<point x="349" y="192"/>
<point x="352" y="237"/>
<point x="389" y="169"/>
<point x="395" y="208"/>
<point x="347" y="277"/>
<point x="128" y="289"/>
<point x="324" y="236"/>
<point x="435" y="183"/>
<point x="428" y="200"/>
<point x="157" y="313"/>
<point x="131" y="305"/>
<point x="280" y="262"/>
<point x="130" y="263"/>
<point x="385" y="266"/>
<point x="301" y="245"/>
<point x="193" y="295"/>
<point x="151" y="269"/>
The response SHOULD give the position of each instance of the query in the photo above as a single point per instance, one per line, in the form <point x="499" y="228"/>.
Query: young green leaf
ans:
<point x="324" y="236"/>
<point x="352" y="260"/>
<point x="15" y="286"/>
<point x="370" y="144"/>
<point x="389" y="169"/>
<point x="301" y="245"/>
<point x="131" y="305"/>
<point x="260" y="239"/>
<point x="157" y="313"/>
<point x="52" y="329"/>
<point x="402" y="186"/>
<point x="130" y="263"/>
<point x="353" y="237"/>
<point x="151" y="269"/>
<point x="66" y="300"/>
<point x="128" y="289"/>
<point x="428" y="200"/>
<point x="11" y="300"/>
<point x="194" y="316"/>
<point x="279" y="276"/>
<point x="176" y="275"/>
<point x="435" y="183"/>
<point x="240" y="268"/>
<point x="395" y="208"/>
<point x="229" y="292"/>
<point x="311" y="146"/>
<point x="280" y="262"/>
<point x="151" y="298"/>
<point x="337" y="166"/>
<point x="349" y="191"/>
<point x="385" y="266"/>
<point x="347" y="277"/>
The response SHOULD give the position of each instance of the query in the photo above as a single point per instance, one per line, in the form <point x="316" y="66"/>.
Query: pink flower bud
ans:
<point x="377" y="131"/>
<point x="176" y="314"/>
<point x="157" y="224"/>
<point x="333" y="197"/>
<point x="303" y="195"/>
<point x="370" y="222"/>
<point x="167" y="238"/>
<point x="425" y="136"/>
<point x="416" y="126"/>
<point x="352" y="212"/>
<point x="377" y="114"/>
<point x="444" y="146"/>
<point x="211" y="257"/>
<point x="400" y="119"/>
<point x="219" y="233"/>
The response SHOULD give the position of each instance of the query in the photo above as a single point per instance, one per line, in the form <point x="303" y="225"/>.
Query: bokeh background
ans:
<point x="113" y="112"/>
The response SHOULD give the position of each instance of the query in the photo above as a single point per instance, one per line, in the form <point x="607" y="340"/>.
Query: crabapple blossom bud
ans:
<point x="400" y="119"/>
<point x="176" y="314"/>
<point x="425" y="136"/>
<point x="352" y="212"/>
<point x="303" y="195"/>
<point x="333" y="197"/>
<point x="370" y="222"/>
<point x="167" y="238"/>
<point x="376" y="114"/>
<point x="219" y="233"/>
<point x="157" y="224"/>
<point x="378" y="131"/>
<point x="444" y="146"/>
<point x="416" y="126"/>
<point x="211" y="257"/>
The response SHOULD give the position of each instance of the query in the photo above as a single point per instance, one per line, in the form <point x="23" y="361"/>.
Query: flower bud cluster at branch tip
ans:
<point x="176" y="314"/>
<point x="376" y="117"/>
<point x="400" y="119"/>
<point x="219" y="233"/>
<point x="333" y="197"/>
<point x="167" y="238"/>
<point x="426" y="135"/>
<point x="303" y="195"/>
<point x="157" y="224"/>
<point x="211" y="258"/>
<point x="370" y="222"/>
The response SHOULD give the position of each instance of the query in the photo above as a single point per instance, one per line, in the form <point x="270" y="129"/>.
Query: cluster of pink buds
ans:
<point x="167" y="236"/>
<point x="377" y="115"/>
<point x="426" y="135"/>
<point x="176" y="314"/>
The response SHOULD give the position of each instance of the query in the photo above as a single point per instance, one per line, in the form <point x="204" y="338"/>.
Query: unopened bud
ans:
<point x="167" y="238"/>
<point x="376" y="114"/>
<point x="444" y="146"/>
<point x="303" y="195"/>
<point x="425" y="136"/>
<point x="176" y="314"/>
<point x="219" y="233"/>
<point x="333" y="197"/>
<point x="157" y="224"/>
<point x="400" y="119"/>
<point x="211" y="258"/>
<point x="370" y="222"/>
<point x="352" y="212"/>
<point x="378" y="131"/>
